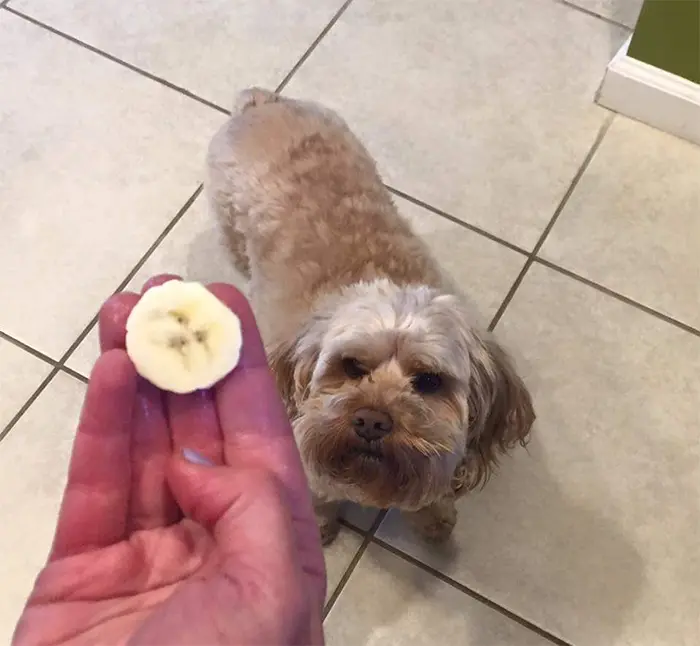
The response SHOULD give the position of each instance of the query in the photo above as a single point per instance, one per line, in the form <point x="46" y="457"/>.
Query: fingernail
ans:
<point x="196" y="458"/>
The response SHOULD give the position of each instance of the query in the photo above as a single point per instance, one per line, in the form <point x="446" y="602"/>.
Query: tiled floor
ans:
<point x="576" y="232"/>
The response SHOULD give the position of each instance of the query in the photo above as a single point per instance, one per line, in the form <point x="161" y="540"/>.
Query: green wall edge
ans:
<point x="667" y="36"/>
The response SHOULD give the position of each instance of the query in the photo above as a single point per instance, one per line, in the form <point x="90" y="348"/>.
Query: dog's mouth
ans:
<point x="371" y="451"/>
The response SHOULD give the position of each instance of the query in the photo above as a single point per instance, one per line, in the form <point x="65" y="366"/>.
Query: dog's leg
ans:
<point x="435" y="522"/>
<point x="221" y="208"/>
<point x="237" y="245"/>
<point x="327" y="518"/>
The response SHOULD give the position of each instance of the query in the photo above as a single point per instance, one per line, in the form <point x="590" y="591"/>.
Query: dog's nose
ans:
<point x="372" y="424"/>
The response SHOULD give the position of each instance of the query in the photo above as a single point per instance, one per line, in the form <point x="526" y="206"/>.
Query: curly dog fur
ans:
<point x="396" y="398"/>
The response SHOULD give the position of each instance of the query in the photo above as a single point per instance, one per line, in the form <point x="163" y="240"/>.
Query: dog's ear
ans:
<point x="292" y="366"/>
<point x="500" y="412"/>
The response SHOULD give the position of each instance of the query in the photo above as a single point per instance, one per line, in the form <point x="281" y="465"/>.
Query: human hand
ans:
<point x="154" y="549"/>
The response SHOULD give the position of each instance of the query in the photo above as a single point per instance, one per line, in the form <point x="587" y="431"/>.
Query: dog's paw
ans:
<point x="329" y="530"/>
<point x="438" y="531"/>
<point x="436" y="522"/>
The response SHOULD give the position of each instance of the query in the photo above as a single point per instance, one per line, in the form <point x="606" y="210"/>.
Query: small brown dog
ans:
<point x="395" y="398"/>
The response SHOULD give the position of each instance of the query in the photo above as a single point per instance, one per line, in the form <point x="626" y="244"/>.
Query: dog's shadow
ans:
<point x="209" y="259"/>
<point x="525" y="545"/>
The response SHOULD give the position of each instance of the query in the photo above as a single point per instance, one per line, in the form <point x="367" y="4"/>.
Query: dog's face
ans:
<point x="381" y="387"/>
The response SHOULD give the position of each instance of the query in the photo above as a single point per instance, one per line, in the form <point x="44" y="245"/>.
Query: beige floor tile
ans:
<point x="592" y="534"/>
<point x="483" y="109"/>
<point x="33" y="466"/>
<point x="633" y="223"/>
<point x="83" y="358"/>
<point x="622" y="11"/>
<point x="390" y="602"/>
<point x="94" y="162"/>
<point x="212" y="48"/>
<point x="482" y="269"/>
<point x="194" y="249"/>
<point x="338" y="556"/>
<point x="20" y="374"/>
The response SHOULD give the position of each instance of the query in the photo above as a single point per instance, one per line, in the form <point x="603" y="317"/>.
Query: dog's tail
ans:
<point x="252" y="97"/>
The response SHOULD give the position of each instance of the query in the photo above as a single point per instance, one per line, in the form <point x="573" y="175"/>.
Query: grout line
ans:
<point x="60" y="364"/>
<point x="574" y="182"/>
<point x="114" y="59"/>
<point x="471" y="593"/>
<point x="171" y="225"/>
<point x="509" y="296"/>
<point x="135" y="269"/>
<point x="75" y="374"/>
<point x="27" y="348"/>
<point x="28" y="403"/>
<point x="546" y="263"/>
<point x="593" y="14"/>
<point x="354" y="528"/>
<point x="553" y="220"/>
<point x="353" y="564"/>
<point x="617" y="296"/>
<point x="456" y="220"/>
<point x="313" y="46"/>
<point x="471" y="227"/>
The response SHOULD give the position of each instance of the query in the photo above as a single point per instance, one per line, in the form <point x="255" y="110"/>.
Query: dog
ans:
<point x="396" y="399"/>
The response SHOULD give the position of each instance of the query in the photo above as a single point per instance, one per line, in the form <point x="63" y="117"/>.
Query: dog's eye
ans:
<point x="427" y="383"/>
<point x="353" y="368"/>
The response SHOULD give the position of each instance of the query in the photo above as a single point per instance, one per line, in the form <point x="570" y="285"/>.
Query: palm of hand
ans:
<point x="107" y="594"/>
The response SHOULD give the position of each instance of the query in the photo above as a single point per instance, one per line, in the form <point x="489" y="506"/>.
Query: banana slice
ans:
<point x="182" y="338"/>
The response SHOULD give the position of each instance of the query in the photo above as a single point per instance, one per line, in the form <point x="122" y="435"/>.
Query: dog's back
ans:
<point x="285" y="161"/>
<point x="303" y="205"/>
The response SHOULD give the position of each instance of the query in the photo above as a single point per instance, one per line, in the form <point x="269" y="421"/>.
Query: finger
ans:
<point x="244" y="509"/>
<point x="112" y="320"/>
<point x="155" y="281"/>
<point x="253" y="353"/>
<point x="244" y="512"/>
<point x="115" y="312"/>
<point x="250" y="409"/>
<point x="151" y="503"/>
<point x="251" y="412"/>
<point x="194" y="423"/>
<point x="256" y="430"/>
<point x="193" y="419"/>
<point x="96" y="498"/>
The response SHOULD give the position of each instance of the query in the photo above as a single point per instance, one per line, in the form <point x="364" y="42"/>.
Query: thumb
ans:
<point x="244" y="509"/>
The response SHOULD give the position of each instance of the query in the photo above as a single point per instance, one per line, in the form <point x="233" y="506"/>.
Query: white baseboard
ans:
<point x="651" y="95"/>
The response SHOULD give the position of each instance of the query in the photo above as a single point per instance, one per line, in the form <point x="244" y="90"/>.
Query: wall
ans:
<point x="668" y="36"/>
